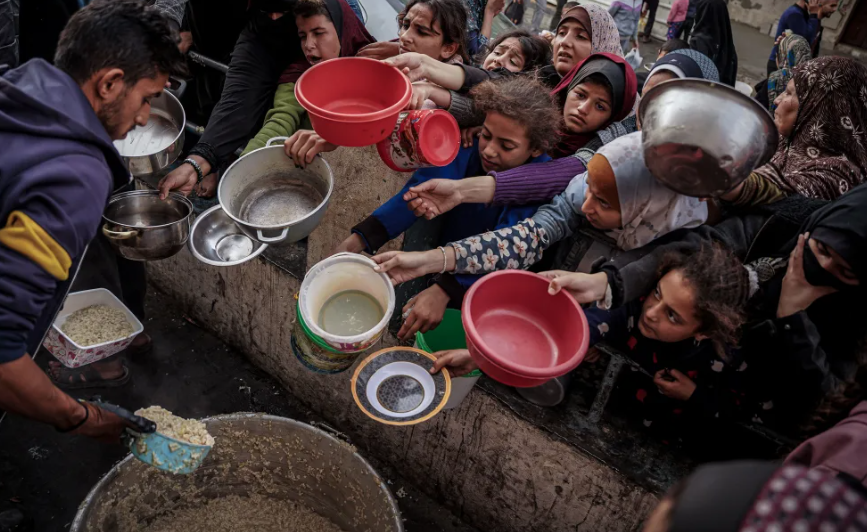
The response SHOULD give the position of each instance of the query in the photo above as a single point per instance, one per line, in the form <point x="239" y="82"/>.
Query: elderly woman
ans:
<point x="822" y="119"/>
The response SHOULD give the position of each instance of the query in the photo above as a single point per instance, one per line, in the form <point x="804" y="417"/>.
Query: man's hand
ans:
<point x="424" y="312"/>
<point x="457" y="362"/>
<point x="434" y="197"/>
<point x="183" y="178"/>
<point x="813" y="7"/>
<point x="797" y="293"/>
<point x="353" y="244"/>
<point x="404" y="266"/>
<point x="304" y="145"/>
<point x="584" y="287"/>
<point x="674" y="384"/>
<point x="101" y="425"/>
<point x="379" y="50"/>
<point x="495" y="7"/>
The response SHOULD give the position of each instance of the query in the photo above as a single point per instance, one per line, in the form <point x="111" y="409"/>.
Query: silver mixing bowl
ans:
<point x="217" y="240"/>
<point x="141" y="226"/>
<point x="702" y="138"/>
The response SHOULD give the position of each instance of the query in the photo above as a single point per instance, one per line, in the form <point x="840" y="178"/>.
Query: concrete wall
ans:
<point x="493" y="469"/>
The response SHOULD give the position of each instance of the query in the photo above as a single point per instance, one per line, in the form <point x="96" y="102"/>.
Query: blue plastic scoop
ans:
<point x="155" y="449"/>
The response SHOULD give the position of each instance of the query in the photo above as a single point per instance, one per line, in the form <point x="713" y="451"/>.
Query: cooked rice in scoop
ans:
<point x="168" y="424"/>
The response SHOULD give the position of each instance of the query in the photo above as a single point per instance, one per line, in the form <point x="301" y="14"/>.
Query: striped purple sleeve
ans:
<point x="536" y="182"/>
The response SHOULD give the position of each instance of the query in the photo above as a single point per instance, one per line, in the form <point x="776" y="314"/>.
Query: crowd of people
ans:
<point x="740" y="309"/>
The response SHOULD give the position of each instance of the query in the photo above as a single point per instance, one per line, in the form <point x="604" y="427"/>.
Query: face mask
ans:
<point x="817" y="275"/>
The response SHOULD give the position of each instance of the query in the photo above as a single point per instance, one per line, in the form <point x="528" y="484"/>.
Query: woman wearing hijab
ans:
<point x="582" y="31"/>
<point x="821" y="118"/>
<point x="760" y="497"/>
<point x="712" y="36"/>
<point x="542" y="181"/>
<point x="793" y="51"/>
<point x="617" y="195"/>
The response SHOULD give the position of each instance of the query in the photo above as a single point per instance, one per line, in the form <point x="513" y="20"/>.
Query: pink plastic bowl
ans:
<point x="353" y="101"/>
<point x="519" y="334"/>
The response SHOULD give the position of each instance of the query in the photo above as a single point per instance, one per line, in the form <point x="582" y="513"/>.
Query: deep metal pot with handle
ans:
<point x="149" y="149"/>
<point x="142" y="227"/>
<point x="271" y="199"/>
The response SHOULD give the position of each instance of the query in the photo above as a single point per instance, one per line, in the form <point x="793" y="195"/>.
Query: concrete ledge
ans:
<point x="493" y="468"/>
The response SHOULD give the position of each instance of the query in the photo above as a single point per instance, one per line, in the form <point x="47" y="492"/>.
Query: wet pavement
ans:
<point x="190" y="372"/>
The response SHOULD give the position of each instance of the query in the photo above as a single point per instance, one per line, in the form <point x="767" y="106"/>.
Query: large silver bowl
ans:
<point x="217" y="240"/>
<point x="702" y="138"/>
<point x="271" y="199"/>
<point x="151" y="148"/>
<point x="141" y="226"/>
<point x="255" y="454"/>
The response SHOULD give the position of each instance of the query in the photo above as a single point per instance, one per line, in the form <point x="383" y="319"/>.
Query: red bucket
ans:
<point x="421" y="139"/>
<point x="519" y="334"/>
<point x="353" y="101"/>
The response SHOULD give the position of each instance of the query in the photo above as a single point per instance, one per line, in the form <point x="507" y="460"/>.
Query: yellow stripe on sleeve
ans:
<point x="25" y="236"/>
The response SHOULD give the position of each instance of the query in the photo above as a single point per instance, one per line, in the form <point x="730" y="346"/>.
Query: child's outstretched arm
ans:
<point x="419" y="67"/>
<point x="283" y="120"/>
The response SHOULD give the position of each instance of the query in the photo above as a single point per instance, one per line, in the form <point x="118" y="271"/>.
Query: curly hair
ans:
<point x="527" y="102"/>
<point x="721" y="285"/>
<point x="536" y="50"/>
<point x="452" y="17"/>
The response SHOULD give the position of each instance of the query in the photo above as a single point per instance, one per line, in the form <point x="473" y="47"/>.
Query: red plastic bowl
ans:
<point x="353" y="101"/>
<point x="519" y="334"/>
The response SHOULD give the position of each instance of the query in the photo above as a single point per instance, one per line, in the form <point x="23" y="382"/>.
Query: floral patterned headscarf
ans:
<point x="792" y="51"/>
<point x="604" y="37"/>
<point x="826" y="154"/>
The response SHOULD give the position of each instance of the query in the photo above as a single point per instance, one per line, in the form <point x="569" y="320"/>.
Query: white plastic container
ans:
<point x="339" y="273"/>
<point x="461" y="387"/>
<point x="73" y="355"/>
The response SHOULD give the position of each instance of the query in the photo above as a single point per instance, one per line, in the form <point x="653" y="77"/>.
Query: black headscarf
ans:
<point x="712" y="36"/>
<point x="761" y="496"/>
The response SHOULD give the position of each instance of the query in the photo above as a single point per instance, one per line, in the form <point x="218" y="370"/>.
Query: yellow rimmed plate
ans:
<point x="394" y="386"/>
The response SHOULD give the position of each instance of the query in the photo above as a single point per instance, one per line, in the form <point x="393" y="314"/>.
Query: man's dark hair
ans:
<point x="311" y="8"/>
<point x="674" y="44"/>
<point x="452" y="17"/>
<point x="124" y="34"/>
<point x="536" y="50"/>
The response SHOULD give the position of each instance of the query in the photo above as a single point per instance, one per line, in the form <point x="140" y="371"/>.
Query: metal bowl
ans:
<point x="702" y="138"/>
<point x="217" y="240"/>
<point x="141" y="226"/>
<point x="272" y="200"/>
<point x="151" y="148"/>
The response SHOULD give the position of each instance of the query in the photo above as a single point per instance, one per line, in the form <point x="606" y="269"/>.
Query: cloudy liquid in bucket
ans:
<point x="349" y="313"/>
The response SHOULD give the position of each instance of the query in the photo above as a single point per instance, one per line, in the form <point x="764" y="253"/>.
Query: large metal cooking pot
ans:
<point x="271" y="199"/>
<point x="151" y="148"/>
<point x="141" y="226"/>
<point x="255" y="454"/>
<point x="702" y="138"/>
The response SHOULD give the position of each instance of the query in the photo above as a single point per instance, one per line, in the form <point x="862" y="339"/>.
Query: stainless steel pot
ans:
<point x="702" y="138"/>
<point x="141" y="226"/>
<point x="255" y="454"/>
<point x="149" y="149"/>
<point x="271" y="199"/>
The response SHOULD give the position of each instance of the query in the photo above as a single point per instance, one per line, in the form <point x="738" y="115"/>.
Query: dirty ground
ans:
<point x="190" y="372"/>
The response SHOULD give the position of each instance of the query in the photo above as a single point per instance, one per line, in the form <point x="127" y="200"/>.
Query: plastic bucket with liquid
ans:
<point x="340" y="300"/>
<point x="314" y="354"/>
<point x="449" y="334"/>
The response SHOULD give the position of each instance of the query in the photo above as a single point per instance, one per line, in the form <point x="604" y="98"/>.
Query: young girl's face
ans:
<point x="587" y="108"/>
<point x="668" y="313"/>
<point x="506" y="55"/>
<point x="571" y="45"/>
<point x="602" y="211"/>
<point x="421" y="33"/>
<point x="503" y="144"/>
<point x="319" y="39"/>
